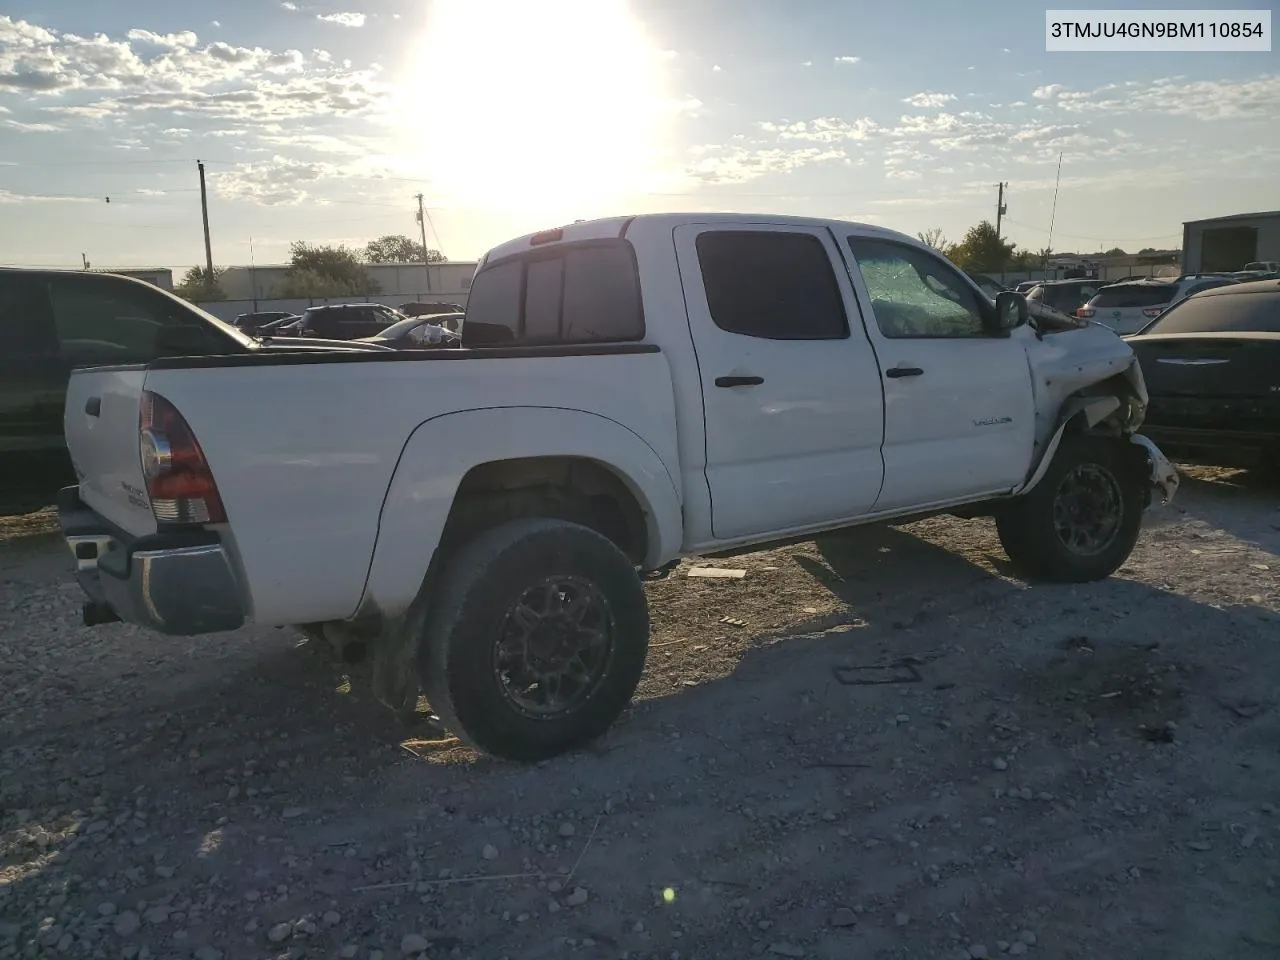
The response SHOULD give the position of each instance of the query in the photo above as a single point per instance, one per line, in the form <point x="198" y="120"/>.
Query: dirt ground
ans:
<point x="880" y="745"/>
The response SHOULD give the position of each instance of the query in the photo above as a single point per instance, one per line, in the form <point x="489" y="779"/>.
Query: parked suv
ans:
<point x="1128" y="307"/>
<point x="347" y="321"/>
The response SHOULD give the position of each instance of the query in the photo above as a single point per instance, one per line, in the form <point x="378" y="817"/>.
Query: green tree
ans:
<point x="933" y="237"/>
<point x="198" y="287"/>
<point x="323" y="271"/>
<point x="981" y="250"/>
<point x="1115" y="252"/>
<point x="397" y="249"/>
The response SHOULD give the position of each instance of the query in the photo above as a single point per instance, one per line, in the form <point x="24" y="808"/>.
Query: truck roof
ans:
<point x="613" y="227"/>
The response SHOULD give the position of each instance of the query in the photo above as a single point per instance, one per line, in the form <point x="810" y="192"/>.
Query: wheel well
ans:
<point x="571" y="488"/>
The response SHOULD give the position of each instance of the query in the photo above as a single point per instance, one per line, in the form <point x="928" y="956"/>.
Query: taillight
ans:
<point x="1084" y="313"/>
<point x="179" y="482"/>
<point x="1152" y="311"/>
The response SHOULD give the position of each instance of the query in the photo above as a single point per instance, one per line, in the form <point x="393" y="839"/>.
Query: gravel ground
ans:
<point x="1051" y="772"/>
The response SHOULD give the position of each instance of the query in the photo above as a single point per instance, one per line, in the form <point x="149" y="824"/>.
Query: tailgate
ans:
<point x="101" y="423"/>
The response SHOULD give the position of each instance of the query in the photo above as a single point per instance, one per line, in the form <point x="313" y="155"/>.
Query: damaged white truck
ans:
<point x="628" y="392"/>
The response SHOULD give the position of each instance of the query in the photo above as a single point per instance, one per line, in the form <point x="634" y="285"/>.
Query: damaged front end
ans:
<point x="1090" y="378"/>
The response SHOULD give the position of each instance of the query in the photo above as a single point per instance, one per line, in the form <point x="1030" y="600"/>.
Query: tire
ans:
<point x="1103" y="478"/>
<point x="572" y="585"/>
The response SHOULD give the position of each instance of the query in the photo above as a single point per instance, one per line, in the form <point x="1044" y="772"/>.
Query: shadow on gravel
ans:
<point x="1233" y="501"/>
<point x="260" y="775"/>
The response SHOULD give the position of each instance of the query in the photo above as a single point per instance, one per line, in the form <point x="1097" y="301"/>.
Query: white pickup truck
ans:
<point x="628" y="392"/>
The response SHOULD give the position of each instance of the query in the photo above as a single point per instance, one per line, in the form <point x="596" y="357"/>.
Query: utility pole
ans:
<point x="1000" y="208"/>
<point x="85" y="260"/>
<point x="208" y="249"/>
<point x="422" y="226"/>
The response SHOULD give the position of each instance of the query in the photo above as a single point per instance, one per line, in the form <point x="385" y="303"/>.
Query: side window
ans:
<point x="105" y="321"/>
<point x="493" y="308"/>
<point x="771" y="285"/>
<point x="26" y="327"/>
<point x="914" y="294"/>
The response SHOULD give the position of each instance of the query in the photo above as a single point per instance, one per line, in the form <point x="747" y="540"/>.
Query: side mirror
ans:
<point x="1011" y="310"/>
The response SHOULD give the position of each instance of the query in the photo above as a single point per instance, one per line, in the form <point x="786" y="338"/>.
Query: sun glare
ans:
<point x="555" y="107"/>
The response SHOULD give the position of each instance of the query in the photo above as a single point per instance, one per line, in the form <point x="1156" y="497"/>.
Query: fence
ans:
<point x="230" y="309"/>
<point x="1104" y="272"/>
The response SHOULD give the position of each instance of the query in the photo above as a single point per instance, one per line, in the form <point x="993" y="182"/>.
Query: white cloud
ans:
<point x="736" y="164"/>
<point x="716" y="68"/>
<point x="823" y="129"/>
<point x="343" y="19"/>
<point x="289" y="6"/>
<point x="215" y="23"/>
<point x="928" y="98"/>
<point x="148" y="71"/>
<point x="271" y="182"/>
<point x="849" y="60"/>
<point x="1258" y="98"/>
<point x="807" y="63"/>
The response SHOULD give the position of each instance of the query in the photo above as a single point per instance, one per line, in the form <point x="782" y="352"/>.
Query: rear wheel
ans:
<point x="1080" y="523"/>
<point x="535" y="639"/>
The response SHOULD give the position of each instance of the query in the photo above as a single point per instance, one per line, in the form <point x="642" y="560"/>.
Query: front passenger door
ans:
<point x="959" y="411"/>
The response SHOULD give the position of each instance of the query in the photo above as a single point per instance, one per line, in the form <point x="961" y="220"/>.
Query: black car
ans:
<point x="420" y="333"/>
<point x="345" y="321"/>
<point x="52" y="321"/>
<point x="1210" y="365"/>
<point x="276" y="328"/>
<point x="1065" y="296"/>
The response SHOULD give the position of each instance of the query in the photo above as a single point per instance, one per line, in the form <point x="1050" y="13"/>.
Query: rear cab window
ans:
<point x="572" y="293"/>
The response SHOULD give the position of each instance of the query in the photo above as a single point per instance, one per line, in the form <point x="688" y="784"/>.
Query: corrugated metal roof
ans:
<point x="1234" y="216"/>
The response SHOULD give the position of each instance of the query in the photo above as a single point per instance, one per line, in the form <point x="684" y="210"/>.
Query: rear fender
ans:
<point x="440" y="453"/>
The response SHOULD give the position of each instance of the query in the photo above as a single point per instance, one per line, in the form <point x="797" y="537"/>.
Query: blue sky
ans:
<point x="321" y="121"/>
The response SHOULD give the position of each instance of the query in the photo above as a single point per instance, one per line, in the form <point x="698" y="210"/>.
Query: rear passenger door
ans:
<point x="791" y="389"/>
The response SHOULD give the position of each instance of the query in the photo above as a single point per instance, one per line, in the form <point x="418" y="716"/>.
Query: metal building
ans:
<point x="1228" y="243"/>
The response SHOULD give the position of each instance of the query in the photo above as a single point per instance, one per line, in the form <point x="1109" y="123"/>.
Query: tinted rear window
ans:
<point x="574" y="293"/>
<point x="1232" y="313"/>
<point x="1121" y="296"/>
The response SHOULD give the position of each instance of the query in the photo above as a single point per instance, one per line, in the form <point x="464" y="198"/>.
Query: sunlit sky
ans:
<point x="321" y="122"/>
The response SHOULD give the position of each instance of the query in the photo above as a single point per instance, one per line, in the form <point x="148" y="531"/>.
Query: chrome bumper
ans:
<point x="180" y="583"/>
<point x="1164" y="475"/>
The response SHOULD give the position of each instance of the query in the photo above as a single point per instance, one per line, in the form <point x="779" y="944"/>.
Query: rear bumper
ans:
<point x="175" y="583"/>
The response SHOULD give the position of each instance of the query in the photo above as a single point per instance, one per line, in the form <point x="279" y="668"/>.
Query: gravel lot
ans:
<point x="1085" y="772"/>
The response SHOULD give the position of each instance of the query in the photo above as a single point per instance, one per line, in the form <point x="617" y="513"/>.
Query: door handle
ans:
<point x="93" y="406"/>
<point x="897" y="372"/>
<point x="739" y="381"/>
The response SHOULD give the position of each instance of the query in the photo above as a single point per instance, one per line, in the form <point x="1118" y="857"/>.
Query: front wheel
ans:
<point x="1080" y="523"/>
<point x="535" y="640"/>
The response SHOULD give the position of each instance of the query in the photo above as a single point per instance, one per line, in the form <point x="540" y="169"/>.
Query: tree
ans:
<point x="320" y="271"/>
<point x="933" y="237"/>
<point x="197" y="287"/>
<point x="981" y="250"/>
<point x="397" y="249"/>
<point x="1115" y="252"/>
